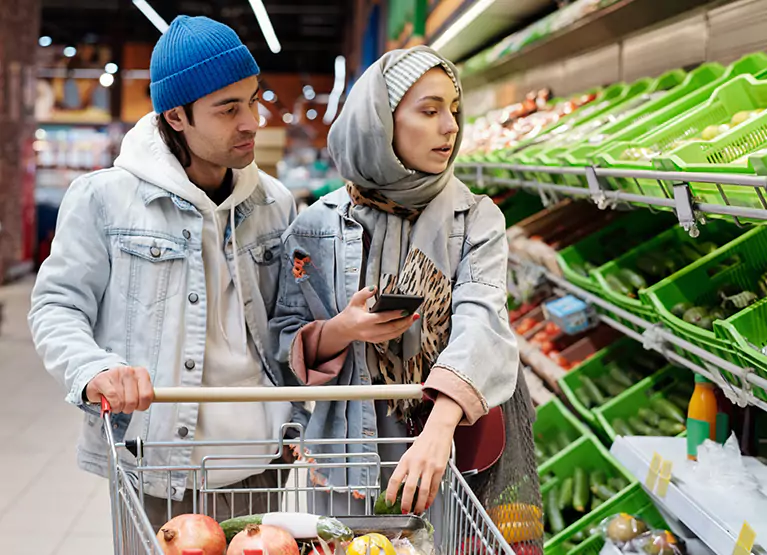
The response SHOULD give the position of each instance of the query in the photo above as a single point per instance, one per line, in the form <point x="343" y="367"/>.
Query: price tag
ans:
<point x="652" y="474"/>
<point x="664" y="478"/>
<point x="746" y="540"/>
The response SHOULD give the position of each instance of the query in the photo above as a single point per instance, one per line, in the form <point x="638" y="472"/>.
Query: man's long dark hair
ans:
<point x="174" y="139"/>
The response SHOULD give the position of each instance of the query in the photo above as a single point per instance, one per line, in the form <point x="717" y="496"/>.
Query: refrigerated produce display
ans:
<point x="653" y="206"/>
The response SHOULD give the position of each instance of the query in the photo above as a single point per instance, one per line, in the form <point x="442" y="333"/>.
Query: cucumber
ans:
<point x="327" y="528"/>
<point x="580" y="490"/>
<point x="596" y="502"/>
<point x="670" y="428"/>
<point x="621" y="428"/>
<point x="616" y="284"/>
<point x="593" y="391"/>
<point x="566" y="494"/>
<point x="612" y="387"/>
<point x="579" y="536"/>
<point x="604" y="492"/>
<point x="639" y="427"/>
<point x="619" y="376"/>
<point x="689" y="252"/>
<point x="648" y="416"/>
<point x="553" y="448"/>
<point x="546" y="478"/>
<point x="617" y="483"/>
<point x="597" y="477"/>
<point x="583" y="398"/>
<point x="667" y="410"/>
<point x="630" y="277"/>
<point x="563" y="440"/>
<point x="556" y="522"/>
<point x="539" y="451"/>
<point x="679" y="401"/>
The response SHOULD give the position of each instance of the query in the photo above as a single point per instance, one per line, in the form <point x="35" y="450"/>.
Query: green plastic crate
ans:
<point x="622" y="350"/>
<point x="698" y="284"/>
<point x="648" y="132"/>
<point x="719" y="232"/>
<point x="530" y="156"/>
<point x="588" y="454"/>
<point x="630" y="401"/>
<point x="637" y="225"/>
<point x="553" y="418"/>
<point x="746" y="330"/>
<point x="519" y="206"/>
<point x="697" y="79"/>
<point x="555" y="148"/>
<point x="634" y="502"/>
<point x="728" y="152"/>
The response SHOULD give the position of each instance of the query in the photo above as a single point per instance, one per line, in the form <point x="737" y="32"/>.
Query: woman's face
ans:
<point x="425" y="125"/>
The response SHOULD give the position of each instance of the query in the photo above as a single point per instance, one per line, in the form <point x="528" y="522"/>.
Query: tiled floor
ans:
<point x="47" y="505"/>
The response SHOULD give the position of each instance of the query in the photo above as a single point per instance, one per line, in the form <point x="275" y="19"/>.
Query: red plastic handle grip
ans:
<point x="106" y="407"/>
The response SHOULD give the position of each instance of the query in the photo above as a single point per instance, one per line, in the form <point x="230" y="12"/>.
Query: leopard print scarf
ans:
<point x="409" y="358"/>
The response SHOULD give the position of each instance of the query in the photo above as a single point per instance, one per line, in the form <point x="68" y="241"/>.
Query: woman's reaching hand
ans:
<point x="423" y="465"/>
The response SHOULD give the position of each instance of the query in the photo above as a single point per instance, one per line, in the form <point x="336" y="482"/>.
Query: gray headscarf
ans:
<point x="402" y="257"/>
<point x="360" y="140"/>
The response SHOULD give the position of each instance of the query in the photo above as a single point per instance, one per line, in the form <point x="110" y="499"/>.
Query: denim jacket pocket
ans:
<point x="149" y="269"/>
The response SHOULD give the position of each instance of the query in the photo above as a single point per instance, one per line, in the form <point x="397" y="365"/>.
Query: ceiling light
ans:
<point x="261" y="121"/>
<point x="311" y="114"/>
<point x="111" y="68"/>
<point x="40" y="134"/>
<point x="338" y="89"/>
<point x="309" y="93"/>
<point x="269" y="96"/>
<point x="288" y="118"/>
<point x="461" y="23"/>
<point x="106" y="80"/>
<point x="45" y="41"/>
<point x="70" y="51"/>
<point x="151" y="15"/>
<point x="266" y="25"/>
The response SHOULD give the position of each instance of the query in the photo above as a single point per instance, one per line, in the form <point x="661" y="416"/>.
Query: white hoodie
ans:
<point x="230" y="356"/>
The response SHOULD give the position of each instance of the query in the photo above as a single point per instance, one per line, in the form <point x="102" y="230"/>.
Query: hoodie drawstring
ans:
<point x="237" y="281"/>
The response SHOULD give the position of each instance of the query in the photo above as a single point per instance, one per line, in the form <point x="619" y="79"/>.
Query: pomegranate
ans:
<point x="271" y="540"/>
<point x="184" y="534"/>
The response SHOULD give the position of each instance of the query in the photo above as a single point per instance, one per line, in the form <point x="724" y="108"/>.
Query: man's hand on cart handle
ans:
<point x="126" y="388"/>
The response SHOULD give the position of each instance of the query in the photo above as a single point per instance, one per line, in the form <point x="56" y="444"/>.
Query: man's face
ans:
<point x="225" y="125"/>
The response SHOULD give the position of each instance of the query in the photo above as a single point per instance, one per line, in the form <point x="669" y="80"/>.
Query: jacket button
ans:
<point x="183" y="431"/>
<point x="189" y="364"/>
<point x="186" y="234"/>
<point x="268" y="255"/>
<point x="193" y="298"/>
<point x="155" y="252"/>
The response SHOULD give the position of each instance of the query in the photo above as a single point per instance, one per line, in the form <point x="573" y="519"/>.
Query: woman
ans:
<point x="404" y="224"/>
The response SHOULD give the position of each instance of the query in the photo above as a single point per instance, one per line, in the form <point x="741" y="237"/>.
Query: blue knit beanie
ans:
<point x="195" y="57"/>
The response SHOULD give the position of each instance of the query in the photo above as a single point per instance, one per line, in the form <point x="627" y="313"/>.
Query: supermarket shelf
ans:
<point x="715" y="516"/>
<point x="601" y="28"/>
<point x="656" y="337"/>
<point x="670" y="183"/>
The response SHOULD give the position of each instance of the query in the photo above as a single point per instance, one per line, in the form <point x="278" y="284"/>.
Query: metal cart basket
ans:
<point x="462" y="525"/>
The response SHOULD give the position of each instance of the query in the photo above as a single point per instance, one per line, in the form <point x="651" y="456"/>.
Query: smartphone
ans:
<point x="388" y="302"/>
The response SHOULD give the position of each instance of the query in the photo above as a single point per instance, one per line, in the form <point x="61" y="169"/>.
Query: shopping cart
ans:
<point x="463" y="527"/>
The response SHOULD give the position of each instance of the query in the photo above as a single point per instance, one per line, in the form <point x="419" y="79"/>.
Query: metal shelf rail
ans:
<point x="678" y="192"/>
<point x="657" y="338"/>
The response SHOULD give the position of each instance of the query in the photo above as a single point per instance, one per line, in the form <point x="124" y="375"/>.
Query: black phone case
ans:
<point x="386" y="303"/>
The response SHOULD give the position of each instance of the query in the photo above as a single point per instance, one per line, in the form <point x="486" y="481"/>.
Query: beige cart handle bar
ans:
<point x="264" y="394"/>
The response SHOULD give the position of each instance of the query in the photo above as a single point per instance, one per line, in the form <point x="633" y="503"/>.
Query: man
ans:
<point x="164" y="272"/>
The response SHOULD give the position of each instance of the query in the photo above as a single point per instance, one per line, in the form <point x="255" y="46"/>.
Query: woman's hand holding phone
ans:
<point x="357" y="323"/>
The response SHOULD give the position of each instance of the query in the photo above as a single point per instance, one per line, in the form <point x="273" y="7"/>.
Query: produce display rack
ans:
<point x="716" y="519"/>
<point x="660" y="339"/>
<point x="678" y="189"/>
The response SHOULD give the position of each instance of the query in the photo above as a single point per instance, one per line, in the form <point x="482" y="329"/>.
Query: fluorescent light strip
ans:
<point x="151" y="15"/>
<point x="266" y="25"/>
<point x="338" y="89"/>
<point x="451" y="32"/>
